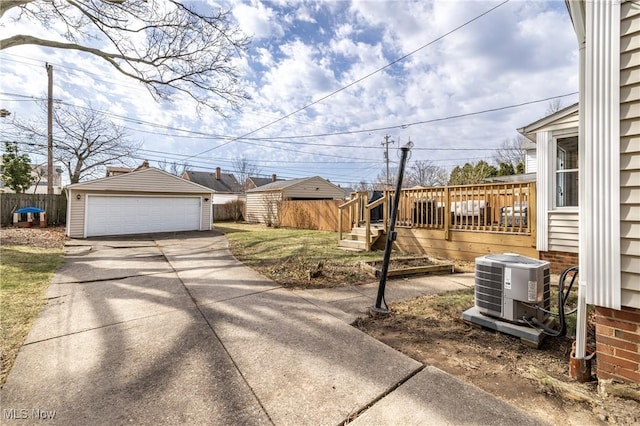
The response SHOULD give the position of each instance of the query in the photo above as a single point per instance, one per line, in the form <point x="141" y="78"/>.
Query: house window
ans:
<point x="567" y="172"/>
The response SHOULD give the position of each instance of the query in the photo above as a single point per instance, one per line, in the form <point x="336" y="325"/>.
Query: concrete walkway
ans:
<point x="171" y="329"/>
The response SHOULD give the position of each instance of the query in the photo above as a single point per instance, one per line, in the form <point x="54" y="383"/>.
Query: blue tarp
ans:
<point x="30" y="210"/>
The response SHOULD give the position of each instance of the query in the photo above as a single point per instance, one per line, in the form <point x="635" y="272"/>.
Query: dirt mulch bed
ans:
<point x="536" y="380"/>
<point x="53" y="237"/>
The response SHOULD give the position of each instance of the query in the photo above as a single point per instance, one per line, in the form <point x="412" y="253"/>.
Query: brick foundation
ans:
<point x="618" y="344"/>
<point x="560" y="260"/>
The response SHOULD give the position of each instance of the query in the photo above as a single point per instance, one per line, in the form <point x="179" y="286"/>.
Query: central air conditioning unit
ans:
<point x="512" y="287"/>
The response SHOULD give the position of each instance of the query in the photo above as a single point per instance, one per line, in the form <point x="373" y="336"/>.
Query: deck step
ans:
<point x="356" y="239"/>
<point x="352" y="245"/>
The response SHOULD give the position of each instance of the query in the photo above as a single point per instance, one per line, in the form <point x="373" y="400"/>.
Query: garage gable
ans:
<point x="144" y="180"/>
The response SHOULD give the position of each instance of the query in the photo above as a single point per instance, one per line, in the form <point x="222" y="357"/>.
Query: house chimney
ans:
<point x="273" y="177"/>
<point x="217" y="173"/>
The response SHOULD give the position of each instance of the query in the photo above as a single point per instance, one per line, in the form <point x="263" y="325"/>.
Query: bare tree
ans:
<point x="244" y="169"/>
<point x="271" y="215"/>
<point x="554" y="105"/>
<point x="425" y="173"/>
<point x="84" y="142"/>
<point x="174" y="167"/>
<point x="168" y="46"/>
<point x="512" y="152"/>
<point x="39" y="171"/>
<point x="363" y="186"/>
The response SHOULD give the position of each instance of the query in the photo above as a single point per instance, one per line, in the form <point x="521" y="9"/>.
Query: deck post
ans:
<point x="447" y="213"/>
<point x="532" y="212"/>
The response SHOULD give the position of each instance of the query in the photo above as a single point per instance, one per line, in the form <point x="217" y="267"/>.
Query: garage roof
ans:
<point x="150" y="180"/>
<point x="284" y="184"/>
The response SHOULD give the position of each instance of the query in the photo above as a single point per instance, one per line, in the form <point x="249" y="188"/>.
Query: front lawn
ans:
<point x="26" y="273"/>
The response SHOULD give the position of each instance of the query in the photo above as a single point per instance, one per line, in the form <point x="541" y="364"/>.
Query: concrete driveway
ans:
<point x="171" y="329"/>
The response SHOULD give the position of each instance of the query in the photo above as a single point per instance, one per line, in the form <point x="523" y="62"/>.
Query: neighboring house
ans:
<point x="348" y="191"/>
<point x="225" y="186"/>
<point x="557" y="201"/>
<point x="143" y="201"/>
<point x="115" y="171"/>
<point x="39" y="174"/>
<point x="262" y="202"/>
<point x="609" y="188"/>
<point x="255" y="182"/>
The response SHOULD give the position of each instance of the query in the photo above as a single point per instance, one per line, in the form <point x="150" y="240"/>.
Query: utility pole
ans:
<point x="387" y="141"/>
<point x="50" y="130"/>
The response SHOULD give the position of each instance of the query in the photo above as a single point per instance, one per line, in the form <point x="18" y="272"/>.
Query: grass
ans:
<point x="290" y="256"/>
<point x="26" y="273"/>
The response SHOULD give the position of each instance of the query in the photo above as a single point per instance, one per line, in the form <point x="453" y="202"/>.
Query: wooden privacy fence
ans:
<point x="311" y="214"/>
<point x="54" y="205"/>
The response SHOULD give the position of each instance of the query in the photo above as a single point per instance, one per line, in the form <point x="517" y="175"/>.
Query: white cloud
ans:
<point x="257" y="20"/>
<point x="304" y="50"/>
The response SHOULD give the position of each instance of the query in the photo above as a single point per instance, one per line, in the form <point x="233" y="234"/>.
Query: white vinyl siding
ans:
<point x="563" y="231"/>
<point x="630" y="154"/>
<point x="260" y="205"/>
<point x="531" y="161"/>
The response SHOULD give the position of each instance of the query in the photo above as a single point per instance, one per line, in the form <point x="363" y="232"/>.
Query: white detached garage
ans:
<point x="144" y="201"/>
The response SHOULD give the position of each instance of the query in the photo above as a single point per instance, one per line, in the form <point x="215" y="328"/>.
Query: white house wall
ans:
<point x="630" y="154"/>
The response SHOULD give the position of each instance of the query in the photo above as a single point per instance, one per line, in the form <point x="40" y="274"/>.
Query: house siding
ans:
<point x="630" y="154"/>
<point x="256" y="210"/>
<point x="563" y="231"/>
<point x="316" y="188"/>
<point x="145" y="180"/>
<point x="75" y="222"/>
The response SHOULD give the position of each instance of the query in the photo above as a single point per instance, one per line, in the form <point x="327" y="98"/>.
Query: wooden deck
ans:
<point x="457" y="222"/>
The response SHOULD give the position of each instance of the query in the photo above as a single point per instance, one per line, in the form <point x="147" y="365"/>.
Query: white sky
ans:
<point x="304" y="50"/>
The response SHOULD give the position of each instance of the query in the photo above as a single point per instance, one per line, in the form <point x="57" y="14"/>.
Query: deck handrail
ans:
<point x="367" y="217"/>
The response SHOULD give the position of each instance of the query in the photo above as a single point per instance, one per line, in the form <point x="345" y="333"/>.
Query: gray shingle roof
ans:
<point x="227" y="183"/>
<point x="279" y="184"/>
<point x="258" y="181"/>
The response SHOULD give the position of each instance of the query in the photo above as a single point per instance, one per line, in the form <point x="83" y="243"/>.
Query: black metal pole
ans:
<point x="391" y="236"/>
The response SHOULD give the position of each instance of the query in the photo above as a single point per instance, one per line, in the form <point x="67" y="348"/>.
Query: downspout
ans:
<point x="579" y="363"/>
<point x="581" y="325"/>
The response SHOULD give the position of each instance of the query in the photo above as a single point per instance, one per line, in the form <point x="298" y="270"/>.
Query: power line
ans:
<point x="356" y="81"/>
<point x="279" y="139"/>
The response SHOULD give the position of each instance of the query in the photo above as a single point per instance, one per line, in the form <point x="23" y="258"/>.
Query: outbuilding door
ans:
<point x="120" y="214"/>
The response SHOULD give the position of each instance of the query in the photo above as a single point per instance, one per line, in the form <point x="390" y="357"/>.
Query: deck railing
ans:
<point x="504" y="207"/>
<point x="494" y="208"/>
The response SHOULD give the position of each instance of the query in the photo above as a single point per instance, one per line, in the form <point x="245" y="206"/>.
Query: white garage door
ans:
<point x="118" y="215"/>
